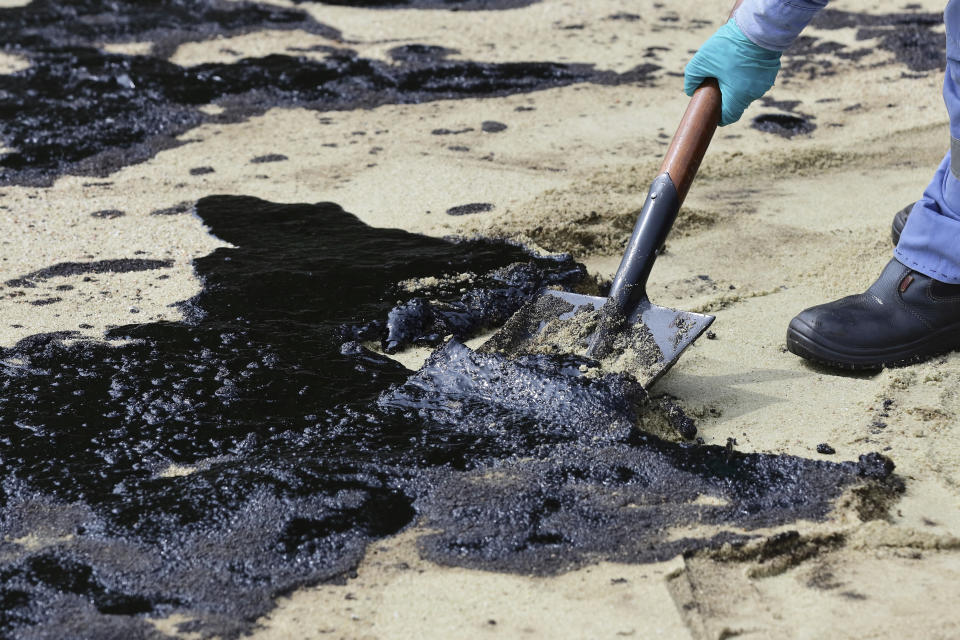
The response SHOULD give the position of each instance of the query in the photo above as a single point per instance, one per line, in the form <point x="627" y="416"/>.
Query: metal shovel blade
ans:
<point x="644" y="344"/>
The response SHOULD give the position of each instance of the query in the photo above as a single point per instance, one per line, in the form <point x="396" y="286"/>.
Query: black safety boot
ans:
<point x="904" y="317"/>
<point x="899" y="220"/>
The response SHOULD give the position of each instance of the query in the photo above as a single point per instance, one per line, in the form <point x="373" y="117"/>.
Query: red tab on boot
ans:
<point x="905" y="283"/>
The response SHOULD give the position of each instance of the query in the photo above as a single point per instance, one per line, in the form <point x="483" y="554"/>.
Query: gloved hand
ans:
<point x="744" y="70"/>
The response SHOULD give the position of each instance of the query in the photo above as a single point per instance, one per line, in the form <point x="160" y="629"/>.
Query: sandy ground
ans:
<point x="771" y="226"/>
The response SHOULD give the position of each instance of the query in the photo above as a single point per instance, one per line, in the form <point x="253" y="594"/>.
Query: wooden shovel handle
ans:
<point x="693" y="136"/>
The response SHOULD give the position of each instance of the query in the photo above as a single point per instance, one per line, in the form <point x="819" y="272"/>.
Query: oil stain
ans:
<point x="270" y="157"/>
<point x="913" y="38"/>
<point x="304" y="445"/>
<point x="783" y="125"/>
<point x="452" y="5"/>
<point x="470" y="209"/>
<point x="165" y="23"/>
<point x="65" y="269"/>
<point x="78" y="109"/>
<point x="108" y="214"/>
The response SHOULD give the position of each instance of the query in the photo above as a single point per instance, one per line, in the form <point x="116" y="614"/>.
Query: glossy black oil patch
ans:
<point x="270" y="157"/>
<point x="78" y="109"/>
<point x="453" y="5"/>
<point x="470" y="209"/>
<point x="914" y="38"/>
<point x="165" y="23"/>
<point x="262" y="395"/>
<point x="67" y="269"/>
<point x="201" y="468"/>
<point x="108" y="213"/>
<point x="541" y="516"/>
<point x="626" y="17"/>
<point x="783" y="125"/>
<point x="40" y="302"/>
<point x="177" y="209"/>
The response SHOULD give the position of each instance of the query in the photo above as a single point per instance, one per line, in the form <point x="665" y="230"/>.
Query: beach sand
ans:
<point x="772" y="225"/>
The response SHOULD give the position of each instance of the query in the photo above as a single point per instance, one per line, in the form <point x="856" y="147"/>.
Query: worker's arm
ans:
<point x="744" y="54"/>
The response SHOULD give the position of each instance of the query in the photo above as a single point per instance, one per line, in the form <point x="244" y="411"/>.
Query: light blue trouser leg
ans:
<point x="930" y="242"/>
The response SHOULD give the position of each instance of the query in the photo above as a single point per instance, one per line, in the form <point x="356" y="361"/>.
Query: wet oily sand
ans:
<point x="543" y="327"/>
<point x="202" y="468"/>
<point x="78" y="109"/>
<point x="453" y="5"/>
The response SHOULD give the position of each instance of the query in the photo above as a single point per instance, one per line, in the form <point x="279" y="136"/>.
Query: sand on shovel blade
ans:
<point x="546" y="326"/>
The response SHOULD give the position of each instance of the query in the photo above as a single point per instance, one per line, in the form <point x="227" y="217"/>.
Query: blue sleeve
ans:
<point x="775" y="24"/>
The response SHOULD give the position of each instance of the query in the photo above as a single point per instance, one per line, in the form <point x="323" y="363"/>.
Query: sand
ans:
<point x="771" y="226"/>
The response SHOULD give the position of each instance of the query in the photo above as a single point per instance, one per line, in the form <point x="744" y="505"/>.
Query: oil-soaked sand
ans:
<point x="453" y="5"/>
<point x="79" y="109"/>
<point x="308" y="445"/>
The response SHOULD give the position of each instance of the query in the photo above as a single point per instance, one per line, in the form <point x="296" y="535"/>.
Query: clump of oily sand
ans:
<point x="602" y="336"/>
<point x="414" y="285"/>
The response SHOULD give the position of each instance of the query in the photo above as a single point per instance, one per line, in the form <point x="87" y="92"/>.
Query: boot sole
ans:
<point x="803" y="341"/>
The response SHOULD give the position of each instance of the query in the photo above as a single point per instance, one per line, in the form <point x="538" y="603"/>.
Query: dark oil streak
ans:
<point x="452" y="5"/>
<point x="66" y="269"/>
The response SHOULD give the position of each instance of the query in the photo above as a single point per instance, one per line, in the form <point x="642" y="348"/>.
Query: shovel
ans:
<point x="606" y="329"/>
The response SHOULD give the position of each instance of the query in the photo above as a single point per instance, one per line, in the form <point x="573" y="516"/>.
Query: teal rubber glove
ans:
<point x="744" y="70"/>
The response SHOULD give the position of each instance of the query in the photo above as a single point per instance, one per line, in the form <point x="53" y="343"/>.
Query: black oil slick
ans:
<point x="81" y="110"/>
<point x="206" y="466"/>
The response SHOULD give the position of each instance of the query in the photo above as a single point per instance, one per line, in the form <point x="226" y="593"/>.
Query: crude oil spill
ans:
<point x="618" y="501"/>
<point x="492" y="126"/>
<point x="783" y="125"/>
<point x="626" y="17"/>
<point x="45" y="301"/>
<point x="270" y="157"/>
<point x="445" y="307"/>
<point x="78" y="109"/>
<point x="914" y="38"/>
<point x="165" y="23"/>
<point x="177" y="209"/>
<point x="409" y="52"/>
<point x="453" y="5"/>
<point x="469" y="209"/>
<point x="65" y="269"/>
<point x="108" y="213"/>
<point x="202" y="468"/>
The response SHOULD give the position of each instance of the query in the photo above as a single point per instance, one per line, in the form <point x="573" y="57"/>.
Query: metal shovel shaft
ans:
<point x="667" y="193"/>
<point x="653" y="224"/>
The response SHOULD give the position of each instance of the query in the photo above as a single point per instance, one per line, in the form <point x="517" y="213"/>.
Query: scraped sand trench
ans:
<point x="771" y="226"/>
